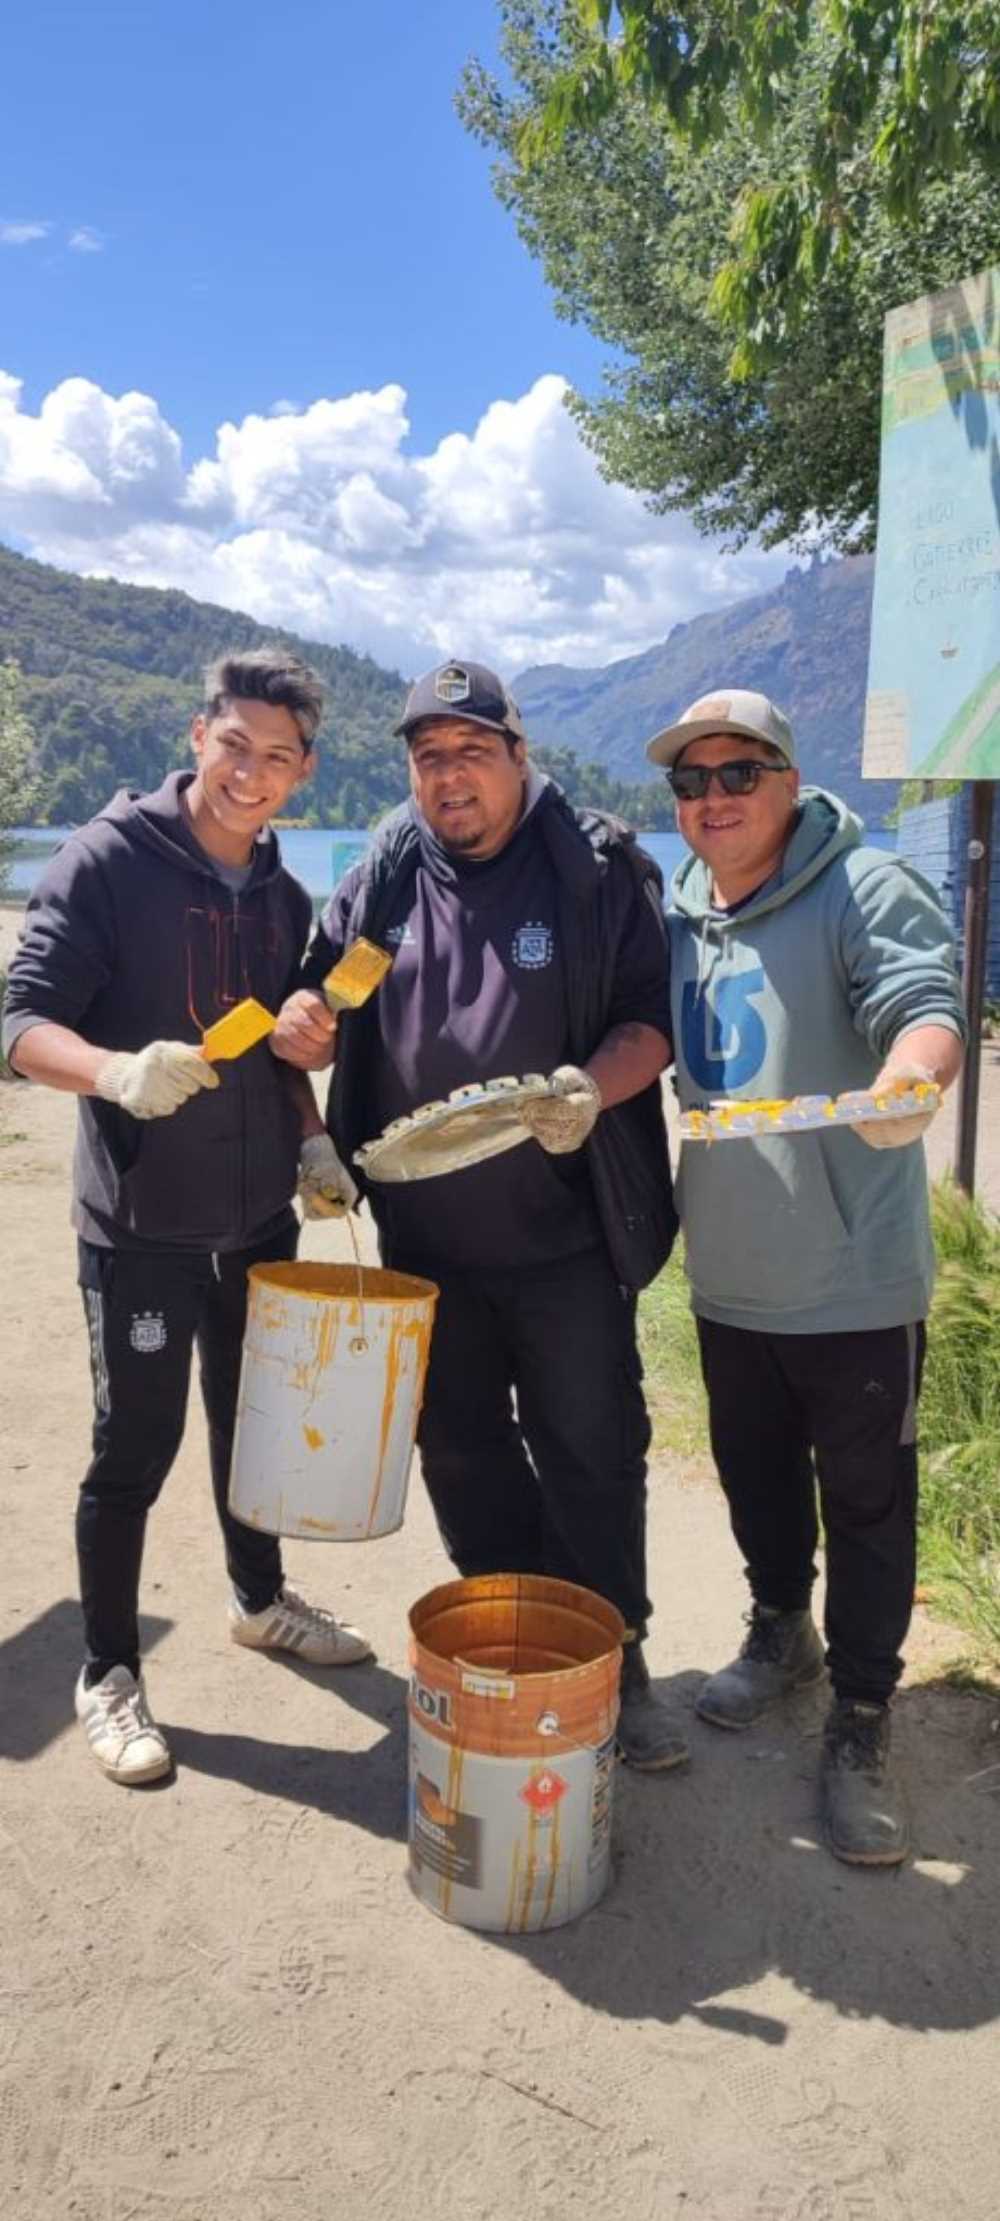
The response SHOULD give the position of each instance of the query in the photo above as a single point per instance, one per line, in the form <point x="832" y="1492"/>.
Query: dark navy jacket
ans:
<point x="132" y="937"/>
<point x="600" y="871"/>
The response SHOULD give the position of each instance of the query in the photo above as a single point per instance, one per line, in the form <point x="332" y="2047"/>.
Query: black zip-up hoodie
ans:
<point x="599" y="868"/>
<point x="130" y="937"/>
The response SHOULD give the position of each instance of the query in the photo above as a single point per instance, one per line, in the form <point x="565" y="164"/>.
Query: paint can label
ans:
<point x="488" y="1685"/>
<point x="431" y="1704"/>
<point x="447" y="1842"/>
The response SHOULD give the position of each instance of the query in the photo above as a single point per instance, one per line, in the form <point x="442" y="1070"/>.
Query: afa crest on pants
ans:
<point x="148" y="1332"/>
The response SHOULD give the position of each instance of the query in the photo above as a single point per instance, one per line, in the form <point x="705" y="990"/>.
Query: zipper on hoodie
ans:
<point x="239" y="1082"/>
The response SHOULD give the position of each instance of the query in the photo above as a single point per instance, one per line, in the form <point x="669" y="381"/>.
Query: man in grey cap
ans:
<point x="803" y="962"/>
<point x="528" y="937"/>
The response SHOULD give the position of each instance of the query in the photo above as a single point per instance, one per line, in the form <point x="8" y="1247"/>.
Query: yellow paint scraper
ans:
<point x="242" y="1027"/>
<point x="361" y="969"/>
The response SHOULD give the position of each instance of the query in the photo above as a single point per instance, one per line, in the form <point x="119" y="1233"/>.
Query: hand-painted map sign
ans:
<point x="933" y="705"/>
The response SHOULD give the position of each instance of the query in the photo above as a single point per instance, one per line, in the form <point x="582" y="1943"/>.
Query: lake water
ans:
<point x="318" y="858"/>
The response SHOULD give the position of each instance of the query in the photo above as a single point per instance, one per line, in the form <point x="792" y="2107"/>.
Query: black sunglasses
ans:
<point x="691" y="782"/>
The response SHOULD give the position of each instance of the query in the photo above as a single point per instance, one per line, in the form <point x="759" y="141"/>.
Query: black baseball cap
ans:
<point x="466" y="690"/>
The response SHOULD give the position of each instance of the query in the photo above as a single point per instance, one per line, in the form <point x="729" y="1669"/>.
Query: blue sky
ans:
<point x="288" y="207"/>
<point x="244" y="216"/>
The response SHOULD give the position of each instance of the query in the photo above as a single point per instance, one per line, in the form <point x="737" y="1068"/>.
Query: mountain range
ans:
<point x="112" y="677"/>
<point x="805" y="644"/>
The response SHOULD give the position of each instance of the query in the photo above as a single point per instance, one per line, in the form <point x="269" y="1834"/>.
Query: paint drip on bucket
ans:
<point x="513" y="1707"/>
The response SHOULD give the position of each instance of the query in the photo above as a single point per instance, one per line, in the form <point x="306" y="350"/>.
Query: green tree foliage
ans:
<point x="632" y="230"/>
<point x="112" y="679"/>
<point x="17" y="785"/>
<point x="909" y="99"/>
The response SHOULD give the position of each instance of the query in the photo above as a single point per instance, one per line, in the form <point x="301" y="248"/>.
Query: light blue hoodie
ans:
<point x="802" y="990"/>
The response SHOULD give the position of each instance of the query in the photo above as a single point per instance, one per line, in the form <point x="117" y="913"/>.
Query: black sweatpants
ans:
<point x="145" y="1311"/>
<point x="559" y="1486"/>
<point x="790" y="1411"/>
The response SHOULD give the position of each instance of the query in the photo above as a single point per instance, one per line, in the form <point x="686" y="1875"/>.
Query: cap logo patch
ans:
<point x="711" y="705"/>
<point x="452" y="684"/>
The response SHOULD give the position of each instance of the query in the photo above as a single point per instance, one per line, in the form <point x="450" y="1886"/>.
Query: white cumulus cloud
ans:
<point x="503" y="542"/>
<point x="85" y="240"/>
<point x="22" y="234"/>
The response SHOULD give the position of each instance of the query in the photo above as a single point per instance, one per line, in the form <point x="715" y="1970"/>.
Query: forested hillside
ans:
<point x="112" y="678"/>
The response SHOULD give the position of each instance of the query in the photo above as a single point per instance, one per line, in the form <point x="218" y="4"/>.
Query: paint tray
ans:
<point x="476" y="1122"/>
<point x="738" y="1117"/>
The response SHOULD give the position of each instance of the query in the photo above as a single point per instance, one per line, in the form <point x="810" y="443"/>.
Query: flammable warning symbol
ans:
<point x="543" y="1791"/>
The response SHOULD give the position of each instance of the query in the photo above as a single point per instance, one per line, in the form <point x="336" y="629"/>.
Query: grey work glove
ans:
<point x="155" y="1081"/>
<point x="895" y="1133"/>
<point x="561" y="1121"/>
<point x="326" y="1189"/>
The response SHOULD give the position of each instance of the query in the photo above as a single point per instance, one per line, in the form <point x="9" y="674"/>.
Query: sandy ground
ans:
<point x="219" y="2002"/>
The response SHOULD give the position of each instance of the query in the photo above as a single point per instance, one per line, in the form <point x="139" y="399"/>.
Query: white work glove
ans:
<point x="326" y="1189"/>
<point x="895" y="1133"/>
<point x="561" y="1121"/>
<point x="154" y="1082"/>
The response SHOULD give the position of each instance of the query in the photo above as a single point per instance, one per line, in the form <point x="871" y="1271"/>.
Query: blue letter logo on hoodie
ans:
<point x="723" y="1035"/>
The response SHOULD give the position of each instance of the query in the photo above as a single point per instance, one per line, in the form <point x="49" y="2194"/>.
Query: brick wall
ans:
<point x="935" y="838"/>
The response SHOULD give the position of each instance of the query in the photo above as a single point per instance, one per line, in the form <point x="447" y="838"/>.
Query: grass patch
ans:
<point x="959" y="1409"/>
<point x="669" y="1346"/>
<point x="960" y="1420"/>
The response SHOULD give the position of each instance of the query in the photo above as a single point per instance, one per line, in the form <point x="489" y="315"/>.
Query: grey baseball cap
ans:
<point x="467" y="690"/>
<point x="729" y="709"/>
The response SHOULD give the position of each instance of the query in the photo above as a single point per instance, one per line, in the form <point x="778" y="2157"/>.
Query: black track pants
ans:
<point x="559" y="1485"/>
<point x="790" y="1411"/>
<point x="146" y="1310"/>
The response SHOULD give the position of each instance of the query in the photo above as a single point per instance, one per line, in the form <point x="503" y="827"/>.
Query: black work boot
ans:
<point x="782" y="1651"/>
<point x="650" y="1736"/>
<point x="863" y="1814"/>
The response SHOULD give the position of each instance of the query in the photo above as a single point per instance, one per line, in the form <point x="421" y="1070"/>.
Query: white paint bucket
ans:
<point x="334" y="1359"/>
<point x="513" y="1707"/>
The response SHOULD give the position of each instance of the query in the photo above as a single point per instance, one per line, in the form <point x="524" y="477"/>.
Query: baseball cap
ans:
<point x="730" y="709"/>
<point x="466" y="690"/>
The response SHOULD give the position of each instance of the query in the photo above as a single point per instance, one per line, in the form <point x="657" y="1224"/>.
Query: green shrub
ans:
<point x="959" y="1407"/>
<point x="960" y="1419"/>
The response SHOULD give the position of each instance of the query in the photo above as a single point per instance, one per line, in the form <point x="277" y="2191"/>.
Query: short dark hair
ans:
<point x="267" y="675"/>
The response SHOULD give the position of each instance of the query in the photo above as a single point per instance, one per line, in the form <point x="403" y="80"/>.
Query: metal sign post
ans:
<point x="977" y="919"/>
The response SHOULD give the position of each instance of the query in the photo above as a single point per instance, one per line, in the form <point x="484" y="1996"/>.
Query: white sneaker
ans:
<point x="123" y="1736"/>
<point x="305" y="1629"/>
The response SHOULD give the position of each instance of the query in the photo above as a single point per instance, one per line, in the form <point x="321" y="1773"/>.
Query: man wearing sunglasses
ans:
<point x="803" y="962"/>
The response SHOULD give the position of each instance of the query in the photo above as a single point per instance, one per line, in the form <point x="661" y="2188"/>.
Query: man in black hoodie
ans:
<point x="149" y="924"/>
<point x="528" y="936"/>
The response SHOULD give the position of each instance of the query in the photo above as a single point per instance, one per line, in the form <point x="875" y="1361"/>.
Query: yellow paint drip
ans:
<point x="402" y="1331"/>
<point x="453" y="1798"/>
<point x="314" y="1437"/>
